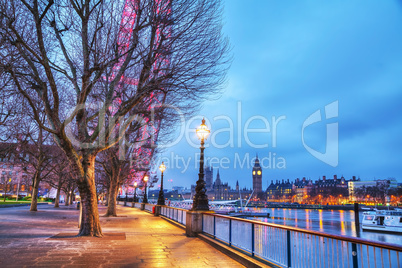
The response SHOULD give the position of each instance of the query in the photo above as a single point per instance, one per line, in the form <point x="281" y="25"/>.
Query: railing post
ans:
<point x="252" y="239"/>
<point x="202" y="223"/>
<point x="214" y="227"/>
<point x="230" y="232"/>
<point x="289" y="248"/>
<point x="354" y="255"/>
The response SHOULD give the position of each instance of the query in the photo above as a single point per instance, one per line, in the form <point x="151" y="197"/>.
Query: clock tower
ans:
<point x="257" y="177"/>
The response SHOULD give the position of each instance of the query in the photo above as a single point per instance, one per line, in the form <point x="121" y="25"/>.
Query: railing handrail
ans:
<point x="175" y="208"/>
<point x="338" y="237"/>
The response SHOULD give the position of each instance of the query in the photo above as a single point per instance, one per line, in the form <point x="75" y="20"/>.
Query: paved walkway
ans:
<point x="136" y="239"/>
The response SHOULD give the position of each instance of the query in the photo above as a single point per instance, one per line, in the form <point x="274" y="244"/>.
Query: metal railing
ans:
<point x="293" y="247"/>
<point x="148" y="207"/>
<point x="137" y="205"/>
<point x="175" y="214"/>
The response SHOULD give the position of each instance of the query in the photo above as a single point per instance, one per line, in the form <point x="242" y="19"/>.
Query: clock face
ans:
<point x="253" y="172"/>
<point x="259" y="172"/>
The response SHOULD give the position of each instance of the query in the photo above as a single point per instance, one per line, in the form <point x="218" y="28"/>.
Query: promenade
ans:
<point x="134" y="239"/>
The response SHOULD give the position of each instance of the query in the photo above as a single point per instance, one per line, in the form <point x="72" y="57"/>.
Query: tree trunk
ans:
<point x="71" y="198"/>
<point x="106" y="198"/>
<point x="90" y="224"/>
<point x="57" y="200"/>
<point x="35" y="190"/>
<point x="111" y="204"/>
<point x="67" y="201"/>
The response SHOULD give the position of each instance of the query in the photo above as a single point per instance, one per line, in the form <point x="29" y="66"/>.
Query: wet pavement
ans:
<point x="134" y="239"/>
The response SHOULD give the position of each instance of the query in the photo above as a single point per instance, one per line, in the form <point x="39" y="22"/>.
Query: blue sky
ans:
<point x="291" y="60"/>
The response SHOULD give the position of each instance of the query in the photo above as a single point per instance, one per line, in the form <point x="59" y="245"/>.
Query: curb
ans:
<point x="20" y="205"/>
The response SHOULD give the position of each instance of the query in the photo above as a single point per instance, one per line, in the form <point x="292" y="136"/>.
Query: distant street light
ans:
<point x="125" y="201"/>
<point x="200" y="201"/>
<point x="135" y="193"/>
<point x="145" y="199"/>
<point x="161" y="197"/>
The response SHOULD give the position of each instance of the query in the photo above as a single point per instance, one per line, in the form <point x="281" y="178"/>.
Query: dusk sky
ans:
<point x="290" y="61"/>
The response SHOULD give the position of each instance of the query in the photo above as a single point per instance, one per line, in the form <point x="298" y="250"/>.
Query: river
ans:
<point x="338" y="222"/>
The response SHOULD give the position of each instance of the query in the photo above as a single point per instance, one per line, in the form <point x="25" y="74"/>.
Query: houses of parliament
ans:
<point x="217" y="190"/>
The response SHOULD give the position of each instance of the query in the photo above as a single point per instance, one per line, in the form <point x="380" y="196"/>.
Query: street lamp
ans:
<point x="200" y="200"/>
<point x="125" y="201"/>
<point x="135" y="194"/>
<point x="145" y="199"/>
<point x="161" y="197"/>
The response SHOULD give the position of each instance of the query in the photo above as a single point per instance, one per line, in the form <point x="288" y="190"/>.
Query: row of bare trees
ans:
<point x="80" y="73"/>
<point x="377" y="193"/>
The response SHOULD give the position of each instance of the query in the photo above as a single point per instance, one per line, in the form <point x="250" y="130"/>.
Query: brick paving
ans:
<point x="137" y="239"/>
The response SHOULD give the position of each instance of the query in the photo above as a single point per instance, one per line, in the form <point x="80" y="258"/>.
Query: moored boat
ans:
<point x="383" y="220"/>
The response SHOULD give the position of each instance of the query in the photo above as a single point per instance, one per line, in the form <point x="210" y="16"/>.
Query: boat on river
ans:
<point x="383" y="221"/>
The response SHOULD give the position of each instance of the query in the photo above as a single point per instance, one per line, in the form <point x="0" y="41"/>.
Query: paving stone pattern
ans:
<point x="45" y="239"/>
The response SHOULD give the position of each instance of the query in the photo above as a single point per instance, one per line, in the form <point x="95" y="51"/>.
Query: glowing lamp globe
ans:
<point x="203" y="131"/>
<point x="135" y="184"/>
<point x="145" y="178"/>
<point x="162" y="167"/>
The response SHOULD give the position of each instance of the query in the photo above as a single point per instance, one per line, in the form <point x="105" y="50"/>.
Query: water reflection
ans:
<point x="337" y="222"/>
<point x="321" y="221"/>
<point x="342" y="217"/>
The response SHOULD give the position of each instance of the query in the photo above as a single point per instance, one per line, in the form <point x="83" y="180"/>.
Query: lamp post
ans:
<point x="135" y="191"/>
<point x="145" y="199"/>
<point x="125" y="200"/>
<point x="161" y="197"/>
<point x="200" y="200"/>
<point x="135" y="194"/>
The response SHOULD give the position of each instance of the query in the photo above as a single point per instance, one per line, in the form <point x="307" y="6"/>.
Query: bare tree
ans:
<point x="6" y="184"/>
<point x="93" y="73"/>
<point x="39" y="158"/>
<point x="59" y="176"/>
<point x="117" y="172"/>
<point x="69" y="188"/>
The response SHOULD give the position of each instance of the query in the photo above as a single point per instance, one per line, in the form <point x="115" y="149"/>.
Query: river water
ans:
<point x="338" y="222"/>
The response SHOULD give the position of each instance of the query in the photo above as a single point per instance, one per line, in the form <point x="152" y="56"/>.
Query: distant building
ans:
<point x="279" y="191"/>
<point x="222" y="190"/>
<point x="208" y="177"/>
<point x="13" y="176"/>
<point x="257" y="178"/>
<point x="336" y="186"/>
<point x="302" y="189"/>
